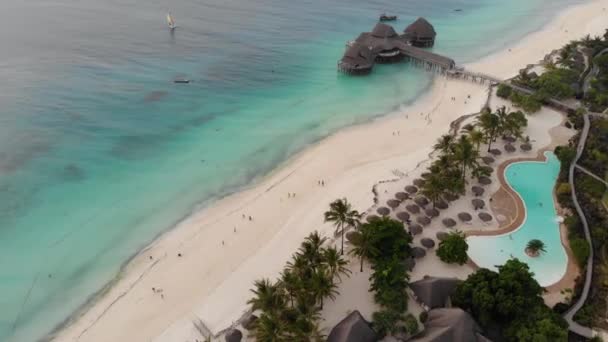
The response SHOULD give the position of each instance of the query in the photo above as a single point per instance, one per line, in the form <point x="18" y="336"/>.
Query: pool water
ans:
<point x="534" y="182"/>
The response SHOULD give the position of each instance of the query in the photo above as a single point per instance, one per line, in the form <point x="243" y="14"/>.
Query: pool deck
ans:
<point x="506" y="202"/>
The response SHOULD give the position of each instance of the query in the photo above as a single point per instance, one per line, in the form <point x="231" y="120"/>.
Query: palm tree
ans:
<point x="310" y="250"/>
<point x="323" y="286"/>
<point x="490" y="126"/>
<point x="514" y="124"/>
<point x="270" y="328"/>
<point x="476" y="137"/>
<point x="362" y="246"/>
<point x="335" y="263"/>
<point x="465" y="155"/>
<point x="444" y="144"/>
<point x="291" y="283"/>
<point x="535" y="247"/>
<point x="268" y="297"/>
<point x="434" y="188"/>
<point x="342" y="215"/>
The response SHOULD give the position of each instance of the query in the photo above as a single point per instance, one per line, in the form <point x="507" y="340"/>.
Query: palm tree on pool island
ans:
<point x="535" y="247"/>
<point x="343" y="216"/>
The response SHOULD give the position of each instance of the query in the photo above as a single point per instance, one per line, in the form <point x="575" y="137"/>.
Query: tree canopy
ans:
<point x="453" y="249"/>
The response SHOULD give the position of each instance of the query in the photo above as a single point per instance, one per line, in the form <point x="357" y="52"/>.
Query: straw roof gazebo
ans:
<point x="418" y="182"/>
<point x="428" y="243"/>
<point x="418" y="252"/>
<point x="485" y="217"/>
<point x="477" y="190"/>
<point x="495" y="152"/>
<point x="393" y="203"/>
<point x="411" y="189"/>
<point x="370" y="218"/>
<point x="441" y="204"/>
<point x="413" y="208"/>
<point x="403" y="216"/>
<point x="358" y="60"/>
<point x="448" y="222"/>
<point x="421" y="33"/>
<point x="450" y="197"/>
<point x="421" y="201"/>
<point x="487" y="159"/>
<point x="509" y="139"/>
<point x="415" y="229"/>
<point x="423" y="220"/>
<point x="431" y="212"/>
<point x="434" y="292"/>
<point x="234" y="335"/>
<point x="384" y="211"/>
<point x="526" y="147"/>
<point x="450" y="324"/>
<point x="465" y="217"/>
<point x="510" y="148"/>
<point x="353" y="328"/>
<point x="478" y="203"/>
<point x="484" y="180"/>
<point x="441" y="236"/>
<point x="487" y="169"/>
<point x="402" y="196"/>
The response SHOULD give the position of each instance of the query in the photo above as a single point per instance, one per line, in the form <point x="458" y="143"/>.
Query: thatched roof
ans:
<point x="510" y="148"/>
<point x="485" y="217"/>
<point x="441" y="236"/>
<point x="487" y="159"/>
<point x="415" y="229"/>
<point x="411" y="189"/>
<point x="393" y="203"/>
<point x="370" y="218"/>
<point x="478" y="203"/>
<point x="403" y="216"/>
<point x="465" y="217"/>
<point x="418" y="252"/>
<point x="448" y="222"/>
<point x="418" y="182"/>
<point x="450" y="197"/>
<point x="484" y="180"/>
<point x="431" y="212"/>
<point x="495" y="152"/>
<point x="420" y="28"/>
<point x="382" y="30"/>
<point x="353" y="328"/>
<point x="428" y="243"/>
<point x="434" y="292"/>
<point x="526" y="147"/>
<point x="402" y="196"/>
<point x="383" y="211"/>
<point x="423" y="220"/>
<point x="441" y="204"/>
<point x="447" y="325"/>
<point x="421" y="201"/>
<point x="358" y="56"/>
<point x="477" y="190"/>
<point x="249" y="321"/>
<point x="234" y="335"/>
<point x="413" y="208"/>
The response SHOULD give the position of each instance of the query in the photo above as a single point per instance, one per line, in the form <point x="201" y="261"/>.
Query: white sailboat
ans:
<point x="170" y="21"/>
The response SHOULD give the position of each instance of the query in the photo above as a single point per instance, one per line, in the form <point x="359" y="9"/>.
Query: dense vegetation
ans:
<point x="596" y="98"/>
<point x="508" y="304"/>
<point x="290" y="308"/>
<point x="453" y="249"/>
<point x="386" y="244"/>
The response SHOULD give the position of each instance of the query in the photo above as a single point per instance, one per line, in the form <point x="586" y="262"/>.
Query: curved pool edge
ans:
<point x="571" y="270"/>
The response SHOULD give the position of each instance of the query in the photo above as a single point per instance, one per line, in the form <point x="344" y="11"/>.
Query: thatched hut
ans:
<point x="510" y="148"/>
<point x="477" y="190"/>
<point x="478" y="203"/>
<point x="393" y="203"/>
<point x="234" y="335"/>
<point x="451" y="324"/>
<point x="413" y="208"/>
<point x="465" y="217"/>
<point x="487" y="159"/>
<point x="357" y="60"/>
<point x="484" y="180"/>
<point x="423" y="220"/>
<point x="402" y="196"/>
<point x="441" y="236"/>
<point x="448" y="222"/>
<point x="441" y="204"/>
<point x="421" y="201"/>
<point x="526" y="147"/>
<point x="370" y="218"/>
<point x="418" y="252"/>
<point x="431" y="212"/>
<point x="415" y="229"/>
<point x="403" y="216"/>
<point x="411" y="189"/>
<point x="384" y="211"/>
<point x="421" y="33"/>
<point x="485" y="217"/>
<point x="353" y="328"/>
<point x="428" y="243"/>
<point x="434" y="292"/>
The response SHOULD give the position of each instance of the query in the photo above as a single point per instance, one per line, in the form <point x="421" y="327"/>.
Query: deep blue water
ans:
<point x="100" y="152"/>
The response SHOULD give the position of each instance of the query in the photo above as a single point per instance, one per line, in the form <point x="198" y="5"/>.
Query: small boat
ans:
<point x="170" y="21"/>
<point x="181" y="80"/>
<point x="384" y="17"/>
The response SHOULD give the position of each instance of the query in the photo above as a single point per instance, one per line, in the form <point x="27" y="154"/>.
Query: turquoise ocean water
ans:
<point x="534" y="182"/>
<point x="100" y="152"/>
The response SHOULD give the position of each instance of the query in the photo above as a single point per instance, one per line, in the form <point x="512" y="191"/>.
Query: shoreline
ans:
<point x="262" y="187"/>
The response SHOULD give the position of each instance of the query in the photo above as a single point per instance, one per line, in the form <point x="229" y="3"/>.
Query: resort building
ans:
<point x="434" y="292"/>
<point x="353" y="328"/>
<point x="446" y="325"/>
<point x="384" y="45"/>
<point x="421" y="33"/>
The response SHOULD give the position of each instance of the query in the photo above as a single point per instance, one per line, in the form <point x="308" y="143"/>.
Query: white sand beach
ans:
<point x="202" y="270"/>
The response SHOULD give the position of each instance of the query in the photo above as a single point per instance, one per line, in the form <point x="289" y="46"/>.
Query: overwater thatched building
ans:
<point x="357" y="60"/>
<point x="421" y="33"/>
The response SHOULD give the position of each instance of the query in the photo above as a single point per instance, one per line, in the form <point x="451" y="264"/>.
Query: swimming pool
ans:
<point x="534" y="182"/>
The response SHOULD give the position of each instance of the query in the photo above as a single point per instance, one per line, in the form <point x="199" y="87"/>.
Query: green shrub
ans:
<point x="563" y="192"/>
<point x="386" y="322"/>
<point x="528" y="103"/>
<point x="411" y="324"/>
<point x="423" y="316"/>
<point x="580" y="248"/>
<point x="504" y="91"/>
<point x="453" y="249"/>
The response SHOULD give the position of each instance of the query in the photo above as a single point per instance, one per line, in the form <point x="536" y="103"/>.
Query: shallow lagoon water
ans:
<point x="100" y="152"/>
<point x="534" y="182"/>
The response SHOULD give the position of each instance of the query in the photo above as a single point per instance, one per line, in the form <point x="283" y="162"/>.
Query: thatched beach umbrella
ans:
<point x="371" y="218"/>
<point x="477" y="190"/>
<point x="465" y="217"/>
<point x="249" y="321"/>
<point x="450" y="197"/>
<point x="426" y="175"/>
<point x="421" y="201"/>
<point x="431" y="212"/>
<point x="353" y="236"/>
<point x="409" y="264"/>
<point x="418" y="182"/>
<point x="487" y="169"/>
<point x="428" y="243"/>
<point x="509" y="139"/>
<point x="478" y="203"/>
<point x="413" y="208"/>
<point x="510" y="148"/>
<point x="418" y="252"/>
<point x="403" y="216"/>
<point x="393" y="203"/>
<point x="485" y="217"/>
<point x="441" y="236"/>
<point x="402" y="196"/>
<point x="526" y="147"/>
<point x="487" y="159"/>
<point x="384" y="211"/>
<point x="495" y="152"/>
<point x="441" y="204"/>
<point x="484" y="180"/>
<point x="234" y="335"/>
<point x="423" y="220"/>
<point x="448" y="222"/>
<point x="415" y="229"/>
<point x="411" y="189"/>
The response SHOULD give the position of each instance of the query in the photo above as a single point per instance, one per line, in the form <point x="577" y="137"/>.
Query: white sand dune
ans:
<point x="211" y="279"/>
